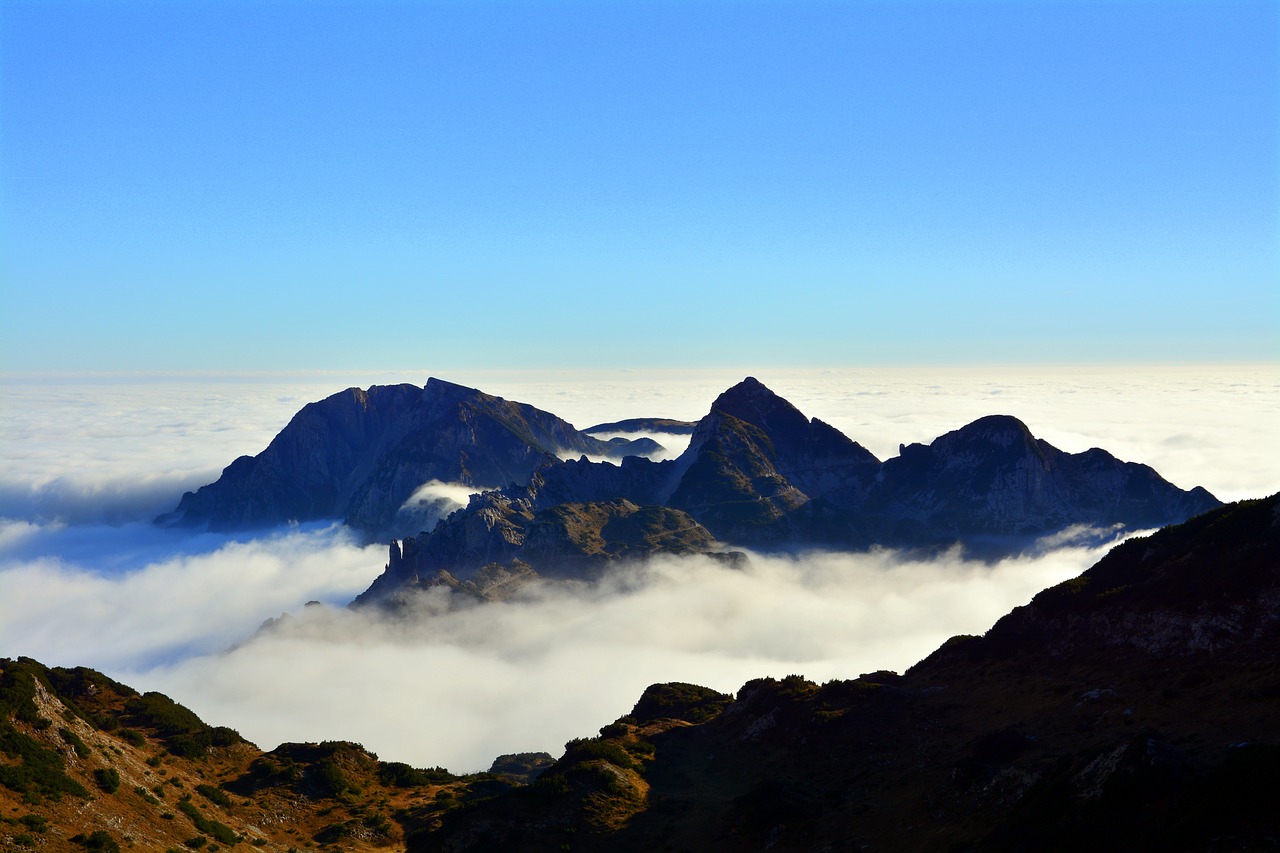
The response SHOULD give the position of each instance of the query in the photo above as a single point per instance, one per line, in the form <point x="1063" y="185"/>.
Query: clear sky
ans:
<point x="333" y="185"/>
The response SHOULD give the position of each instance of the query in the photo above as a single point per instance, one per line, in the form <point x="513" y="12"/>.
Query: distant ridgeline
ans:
<point x="756" y="473"/>
<point x="1136" y="707"/>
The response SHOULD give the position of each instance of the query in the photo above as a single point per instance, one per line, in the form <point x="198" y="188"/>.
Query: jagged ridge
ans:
<point x="758" y="472"/>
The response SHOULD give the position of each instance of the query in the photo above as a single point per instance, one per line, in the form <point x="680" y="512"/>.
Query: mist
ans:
<point x="138" y="596"/>
<point x="457" y="685"/>
<point x="87" y="579"/>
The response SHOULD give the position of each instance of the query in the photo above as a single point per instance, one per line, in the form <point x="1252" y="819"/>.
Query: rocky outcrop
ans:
<point x="360" y="454"/>
<point x="496" y="533"/>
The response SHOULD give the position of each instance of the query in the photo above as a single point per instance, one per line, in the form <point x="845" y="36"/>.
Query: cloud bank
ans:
<point x="85" y="579"/>
<point x="126" y="597"/>
<point x="458" y="686"/>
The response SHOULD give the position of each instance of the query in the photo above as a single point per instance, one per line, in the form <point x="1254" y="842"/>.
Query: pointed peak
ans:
<point x="750" y="395"/>
<point x="440" y="389"/>
<point x="752" y="402"/>
<point x="443" y="385"/>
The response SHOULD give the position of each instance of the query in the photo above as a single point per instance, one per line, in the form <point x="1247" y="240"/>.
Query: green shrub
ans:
<point x="214" y="795"/>
<point x="579" y="750"/>
<point x="184" y="733"/>
<point x="678" y="700"/>
<point x="220" y="831"/>
<point x="99" y="840"/>
<point x="107" y="778"/>
<point x="133" y="737"/>
<point x="396" y="774"/>
<point x="38" y="771"/>
<point x="330" y="778"/>
<point x="35" y="822"/>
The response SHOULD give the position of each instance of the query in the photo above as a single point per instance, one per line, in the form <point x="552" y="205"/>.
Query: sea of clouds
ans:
<point x="86" y="579"/>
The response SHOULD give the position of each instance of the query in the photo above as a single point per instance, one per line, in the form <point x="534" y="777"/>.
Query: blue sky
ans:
<point x="336" y="185"/>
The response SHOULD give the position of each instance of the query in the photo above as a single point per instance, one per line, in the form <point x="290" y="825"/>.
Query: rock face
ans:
<point x="360" y="454"/>
<point x="1136" y="707"/>
<point x="757" y="472"/>
<point x="497" y="540"/>
<point x="755" y="462"/>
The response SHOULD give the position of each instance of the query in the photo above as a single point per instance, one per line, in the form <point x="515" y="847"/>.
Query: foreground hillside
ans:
<point x="87" y="763"/>
<point x="1134" y="707"/>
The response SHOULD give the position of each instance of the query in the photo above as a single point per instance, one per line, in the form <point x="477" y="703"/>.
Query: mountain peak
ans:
<point x="1000" y="430"/>
<point x="751" y="401"/>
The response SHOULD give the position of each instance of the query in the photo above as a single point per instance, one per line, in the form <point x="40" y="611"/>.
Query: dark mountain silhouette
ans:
<point x="759" y="473"/>
<point x="360" y="454"/>
<point x="994" y="478"/>
<point x="643" y="425"/>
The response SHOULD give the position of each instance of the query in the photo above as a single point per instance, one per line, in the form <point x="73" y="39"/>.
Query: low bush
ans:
<point x="107" y="778"/>
<point x="214" y="795"/>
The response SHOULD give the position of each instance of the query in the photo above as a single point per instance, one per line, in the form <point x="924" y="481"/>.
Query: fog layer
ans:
<point x="86" y="579"/>
<point x="458" y="686"/>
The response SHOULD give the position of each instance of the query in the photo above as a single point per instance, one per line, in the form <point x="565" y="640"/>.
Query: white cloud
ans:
<point x="84" y="579"/>
<point x="672" y="444"/>
<point x="434" y="500"/>
<point x="458" y="687"/>
<point x="120" y="597"/>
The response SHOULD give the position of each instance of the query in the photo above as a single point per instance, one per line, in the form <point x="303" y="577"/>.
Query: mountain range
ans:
<point x="1135" y="707"/>
<point x="757" y="473"/>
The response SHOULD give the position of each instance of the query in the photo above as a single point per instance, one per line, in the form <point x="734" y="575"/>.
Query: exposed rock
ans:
<point x="497" y="536"/>
<point x="522" y="767"/>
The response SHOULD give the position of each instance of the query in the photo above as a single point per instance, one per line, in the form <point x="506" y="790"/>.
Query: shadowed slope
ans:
<point x="1137" y="707"/>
